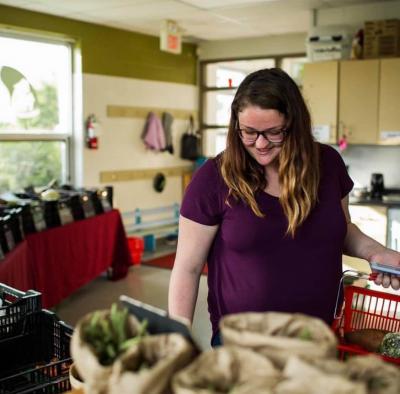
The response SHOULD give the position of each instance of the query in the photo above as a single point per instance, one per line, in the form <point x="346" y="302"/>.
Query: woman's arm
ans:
<point x="194" y="241"/>
<point x="358" y="244"/>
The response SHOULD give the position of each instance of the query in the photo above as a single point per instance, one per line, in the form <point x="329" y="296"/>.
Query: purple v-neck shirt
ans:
<point x="253" y="265"/>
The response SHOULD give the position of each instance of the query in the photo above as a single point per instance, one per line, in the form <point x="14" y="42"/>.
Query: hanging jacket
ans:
<point x="153" y="134"/>
<point x="166" y="120"/>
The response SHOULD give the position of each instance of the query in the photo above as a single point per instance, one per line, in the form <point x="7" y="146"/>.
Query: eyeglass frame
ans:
<point x="282" y="130"/>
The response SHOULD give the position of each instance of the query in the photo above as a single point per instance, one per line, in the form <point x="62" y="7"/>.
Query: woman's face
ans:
<point x="252" y="119"/>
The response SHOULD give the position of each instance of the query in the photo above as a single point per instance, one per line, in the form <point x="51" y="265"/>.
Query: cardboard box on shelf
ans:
<point x="382" y="38"/>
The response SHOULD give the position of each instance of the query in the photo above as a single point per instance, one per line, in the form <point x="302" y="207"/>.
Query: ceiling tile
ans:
<point x="212" y="4"/>
<point x="199" y="19"/>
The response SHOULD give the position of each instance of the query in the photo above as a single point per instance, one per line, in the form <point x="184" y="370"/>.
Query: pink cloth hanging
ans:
<point x="153" y="134"/>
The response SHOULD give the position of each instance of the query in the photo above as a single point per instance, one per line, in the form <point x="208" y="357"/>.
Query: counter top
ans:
<point x="380" y="203"/>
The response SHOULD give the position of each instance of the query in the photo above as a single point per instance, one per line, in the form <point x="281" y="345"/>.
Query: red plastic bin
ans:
<point x="365" y="308"/>
<point x="136" y="247"/>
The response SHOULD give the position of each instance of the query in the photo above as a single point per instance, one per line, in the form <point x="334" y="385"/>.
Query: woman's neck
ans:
<point x="272" y="176"/>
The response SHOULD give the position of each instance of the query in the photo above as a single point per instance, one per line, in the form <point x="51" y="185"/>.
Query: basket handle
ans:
<point x="357" y="275"/>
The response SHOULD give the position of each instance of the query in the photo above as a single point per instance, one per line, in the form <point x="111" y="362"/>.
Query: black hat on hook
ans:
<point x="159" y="182"/>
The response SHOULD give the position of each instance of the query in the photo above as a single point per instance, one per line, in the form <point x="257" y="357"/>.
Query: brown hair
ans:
<point x="299" y="171"/>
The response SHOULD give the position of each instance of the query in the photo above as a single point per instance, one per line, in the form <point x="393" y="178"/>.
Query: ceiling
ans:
<point x="198" y="19"/>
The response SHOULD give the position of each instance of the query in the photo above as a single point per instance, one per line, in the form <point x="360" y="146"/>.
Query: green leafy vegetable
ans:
<point x="305" y="334"/>
<point x="390" y="345"/>
<point x="109" y="335"/>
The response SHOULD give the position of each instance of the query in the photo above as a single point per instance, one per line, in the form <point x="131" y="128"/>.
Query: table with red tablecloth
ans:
<point x="60" y="260"/>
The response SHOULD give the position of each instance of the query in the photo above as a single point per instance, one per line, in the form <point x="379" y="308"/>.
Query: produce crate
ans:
<point x="38" y="360"/>
<point x="365" y="308"/>
<point x="17" y="307"/>
<point x="382" y="38"/>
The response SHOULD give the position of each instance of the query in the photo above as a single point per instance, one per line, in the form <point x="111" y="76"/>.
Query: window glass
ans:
<point x="35" y="86"/>
<point x="231" y="73"/>
<point x="31" y="163"/>
<point x="214" y="141"/>
<point x="36" y="114"/>
<point x="217" y="107"/>
<point x="294" y="66"/>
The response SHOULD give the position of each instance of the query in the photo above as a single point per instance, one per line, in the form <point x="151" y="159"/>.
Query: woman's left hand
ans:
<point x="391" y="258"/>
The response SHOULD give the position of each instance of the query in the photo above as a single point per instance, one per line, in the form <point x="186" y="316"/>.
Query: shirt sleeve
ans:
<point x="345" y="182"/>
<point x="202" y="201"/>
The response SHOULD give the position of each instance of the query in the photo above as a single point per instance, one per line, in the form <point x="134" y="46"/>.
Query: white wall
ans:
<point x="252" y="47"/>
<point x="120" y="145"/>
<point x="356" y="15"/>
<point x="365" y="160"/>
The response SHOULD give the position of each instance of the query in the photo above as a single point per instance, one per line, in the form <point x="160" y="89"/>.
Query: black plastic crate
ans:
<point x="16" y="310"/>
<point x="37" y="361"/>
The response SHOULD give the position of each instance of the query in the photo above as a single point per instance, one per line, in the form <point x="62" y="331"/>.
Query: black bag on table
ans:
<point x="190" y="148"/>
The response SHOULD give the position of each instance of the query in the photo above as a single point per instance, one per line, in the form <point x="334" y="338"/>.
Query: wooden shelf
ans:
<point x="122" y="111"/>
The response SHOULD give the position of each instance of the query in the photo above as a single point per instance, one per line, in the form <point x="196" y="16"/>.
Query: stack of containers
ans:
<point x="34" y="345"/>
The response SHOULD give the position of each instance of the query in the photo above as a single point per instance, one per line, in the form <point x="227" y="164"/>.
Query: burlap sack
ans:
<point x="279" y="335"/>
<point x="379" y="376"/>
<point x="227" y="369"/>
<point x="322" y="384"/>
<point x="94" y="374"/>
<point x="302" y="377"/>
<point x="149" y="366"/>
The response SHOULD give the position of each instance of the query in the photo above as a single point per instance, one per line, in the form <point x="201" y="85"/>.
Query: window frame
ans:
<point x="204" y="88"/>
<point x="74" y="92"/>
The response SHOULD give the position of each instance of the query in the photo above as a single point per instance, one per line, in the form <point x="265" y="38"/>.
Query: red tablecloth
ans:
<point x="60" y="260"/>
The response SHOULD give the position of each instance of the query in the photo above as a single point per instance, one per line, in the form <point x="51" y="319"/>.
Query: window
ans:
<point x="294" y="66"/>
<point x="219" y="82"/>
<point x="36" y="117"/>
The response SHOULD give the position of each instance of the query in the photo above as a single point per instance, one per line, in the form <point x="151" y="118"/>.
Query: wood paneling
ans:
<point x="133" y="175"/>
<point x="120" y="111"/>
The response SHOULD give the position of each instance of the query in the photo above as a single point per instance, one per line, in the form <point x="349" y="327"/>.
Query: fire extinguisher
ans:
<point x="91" y="138"/>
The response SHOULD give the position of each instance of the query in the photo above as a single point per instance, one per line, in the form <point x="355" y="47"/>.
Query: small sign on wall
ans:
<point x="321" y="133"/>
<point x="390" y="136"/>
<point x="170" y="37"/>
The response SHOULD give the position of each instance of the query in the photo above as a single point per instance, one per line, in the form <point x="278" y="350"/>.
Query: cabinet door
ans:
<point x="389" y="99"/>
<point x="358" y="101"/>
<point x="320" y="90"/>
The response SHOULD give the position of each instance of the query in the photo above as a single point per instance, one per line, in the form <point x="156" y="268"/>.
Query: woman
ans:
<point x="269" y="215"/>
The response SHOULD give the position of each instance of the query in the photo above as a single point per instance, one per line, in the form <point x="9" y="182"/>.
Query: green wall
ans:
<point x="110" y="51"/>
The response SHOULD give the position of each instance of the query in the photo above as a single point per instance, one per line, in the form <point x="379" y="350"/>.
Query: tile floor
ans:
<point x="144" y="283"/>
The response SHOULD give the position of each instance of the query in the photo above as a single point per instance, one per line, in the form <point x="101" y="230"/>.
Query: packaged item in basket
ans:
<point x="279" y="335"/>
<point x="227" y="369"/>
<point x="368" y="338"/>
<point x="149" y="366"/>
<point x="98" y="340"/>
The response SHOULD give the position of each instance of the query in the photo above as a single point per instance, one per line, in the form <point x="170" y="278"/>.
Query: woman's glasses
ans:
<point x="274" y="135"/>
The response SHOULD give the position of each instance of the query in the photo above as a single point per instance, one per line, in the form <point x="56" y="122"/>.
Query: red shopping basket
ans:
<point x="365" y="308"/>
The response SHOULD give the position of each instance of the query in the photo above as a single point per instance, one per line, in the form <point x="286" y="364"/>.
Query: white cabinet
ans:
<point x="373" y="221"/>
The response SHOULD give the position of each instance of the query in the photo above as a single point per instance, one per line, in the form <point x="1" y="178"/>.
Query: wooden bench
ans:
<point x="152" y="224"/>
